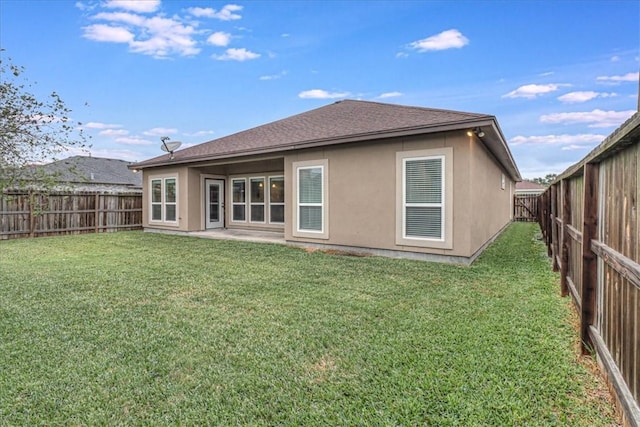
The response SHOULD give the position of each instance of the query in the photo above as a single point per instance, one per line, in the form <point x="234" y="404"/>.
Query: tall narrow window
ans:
<point x="164" y="200"/>
<point x="423" y="203"/>
<point x="170" y="199"/>
<point x="238" y="200"/>
<point x="276" y="199"/>
<point x="156" y="200"/>
<point x="310" y="199"/>
<point x="257" y="199"/>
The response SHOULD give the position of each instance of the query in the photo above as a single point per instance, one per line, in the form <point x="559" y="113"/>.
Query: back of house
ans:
<point x="353" y="175"/>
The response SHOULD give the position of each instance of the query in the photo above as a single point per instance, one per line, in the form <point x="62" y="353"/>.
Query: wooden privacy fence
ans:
<point x="525" y="207"/>
<point x="30" y="215"/>
<point x="591" y="225"/>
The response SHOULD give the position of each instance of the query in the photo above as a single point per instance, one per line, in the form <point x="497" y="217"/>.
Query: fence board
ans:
<point x="525" y="207"/>
<point x="598" y="216"/>
<point x="24" y="215"/>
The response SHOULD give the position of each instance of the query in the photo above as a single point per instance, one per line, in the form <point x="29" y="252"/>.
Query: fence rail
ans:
<point x="590" y="223"/>
<point x="24" y="214"/>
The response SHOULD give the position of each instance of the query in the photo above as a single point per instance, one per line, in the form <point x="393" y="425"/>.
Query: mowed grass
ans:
<point x="146" y="329"/>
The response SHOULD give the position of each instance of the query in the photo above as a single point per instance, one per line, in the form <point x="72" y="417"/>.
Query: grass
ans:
<point x="144" y="329"/>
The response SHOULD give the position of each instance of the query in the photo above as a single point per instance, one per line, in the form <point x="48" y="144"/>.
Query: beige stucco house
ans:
<point x="353" y="175"/>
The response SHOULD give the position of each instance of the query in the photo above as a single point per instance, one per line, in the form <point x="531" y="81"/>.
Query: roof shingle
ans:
<point x="333" y="122"/>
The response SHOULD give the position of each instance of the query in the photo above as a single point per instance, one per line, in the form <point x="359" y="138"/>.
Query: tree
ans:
<point x="32" y="131"/>
<point x="546" y="181"/>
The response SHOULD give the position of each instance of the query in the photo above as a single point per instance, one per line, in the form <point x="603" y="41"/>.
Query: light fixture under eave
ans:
<point x="476" y="131"/>
<point x="169" y="147"/>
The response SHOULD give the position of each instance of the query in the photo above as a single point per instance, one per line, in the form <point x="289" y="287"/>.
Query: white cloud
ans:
<point x="98" y="125"/>
<point x="83" y="6"/>
<point x="532" y="91"/>
<point x="134" y="140"/>
<point x="160" y="131"/>
<point x="390" y="95"/>
<point x="156" y="36"/>
<point x="450" y="39"/>
<point x="274" y="76"/>
<point x="583" y="96"/>
<point x="564" y="139"/>
<point x="199" y="133"/>
<point x="145" y="6"/>
<point x="113" y="132"/>
<point x="225" y="14"/>
<point x="573" y="147"/>
<point x="615" y="58"/>
<point x="321" y="94"/>
<point x="548" y="73"/>
<point x="107" y="33"/>
<point x="402" y="55"/>
<point x="233" y="54"/>
<point x="219" y="38"/>
<point x="595" y="119"/>
<point x="629" y="77"/>
<point x="124" y="17"/>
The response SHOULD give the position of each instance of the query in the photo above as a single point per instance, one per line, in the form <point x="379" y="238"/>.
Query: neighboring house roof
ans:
<point x="90" y="173"/>
<point x="342" y="122"/>
<point x="529" y="187"/>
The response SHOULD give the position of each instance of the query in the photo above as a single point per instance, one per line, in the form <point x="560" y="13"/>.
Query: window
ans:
<point x="310" y="199"/>
<point x="423" y="198"/>
<point x="276" y="199"/>
<point x="257" y="199"/>
<point x="238" y="200"/>
<point x="170" y="199"/>
<point x="164" y="201"/>
<point x="310" y="211"/>
<point x="156" y="200"/>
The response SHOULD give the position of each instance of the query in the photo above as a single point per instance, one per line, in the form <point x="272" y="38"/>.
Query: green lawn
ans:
<point x="146" y="329"/>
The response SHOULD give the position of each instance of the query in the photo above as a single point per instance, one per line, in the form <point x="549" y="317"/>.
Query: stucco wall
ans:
<point x="362" y="192"/>
<point x="182" y="174"/>
<point x="491" y="206"/>
<point x="362" y="188"/>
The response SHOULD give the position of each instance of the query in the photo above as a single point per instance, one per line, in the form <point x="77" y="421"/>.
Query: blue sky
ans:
<point x="559" y="75"/>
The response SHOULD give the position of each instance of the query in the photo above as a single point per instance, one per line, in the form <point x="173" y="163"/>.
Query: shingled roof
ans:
<point x="340" y="122"/>
<point x="93" y="170"/>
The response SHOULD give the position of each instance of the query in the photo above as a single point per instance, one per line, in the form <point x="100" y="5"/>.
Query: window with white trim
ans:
<point x="276" y="200"/>
<point x="310" y="198"/>
<point x="164" y="200"/>
<point x="423" y="198"/>
<point x="256" y="186"/>
<point x="238" y="200"/>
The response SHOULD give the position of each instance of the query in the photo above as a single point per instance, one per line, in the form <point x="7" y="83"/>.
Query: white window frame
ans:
<point x="446" y="240"/>
<point x="163" y="203"/>
<point x="271" y="203"/>
<point x="252" y="203"/>
<point x="440" y="205"/>
<point x="234" y="204"/>
<point x="323" y="165"/>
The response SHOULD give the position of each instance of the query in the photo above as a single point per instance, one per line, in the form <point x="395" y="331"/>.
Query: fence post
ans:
<point x="32" y="218"/>
<point x="566" y="220"/>
<point x="554" y="226"/>
<point x="96" y="207"/>
<point x="589" y="258"/>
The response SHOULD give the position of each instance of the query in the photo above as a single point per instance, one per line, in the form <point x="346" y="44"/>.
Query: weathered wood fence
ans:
<point x="32" y="215"/>
<point x="525" y="207"/>
<point x="590" y="223"/>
